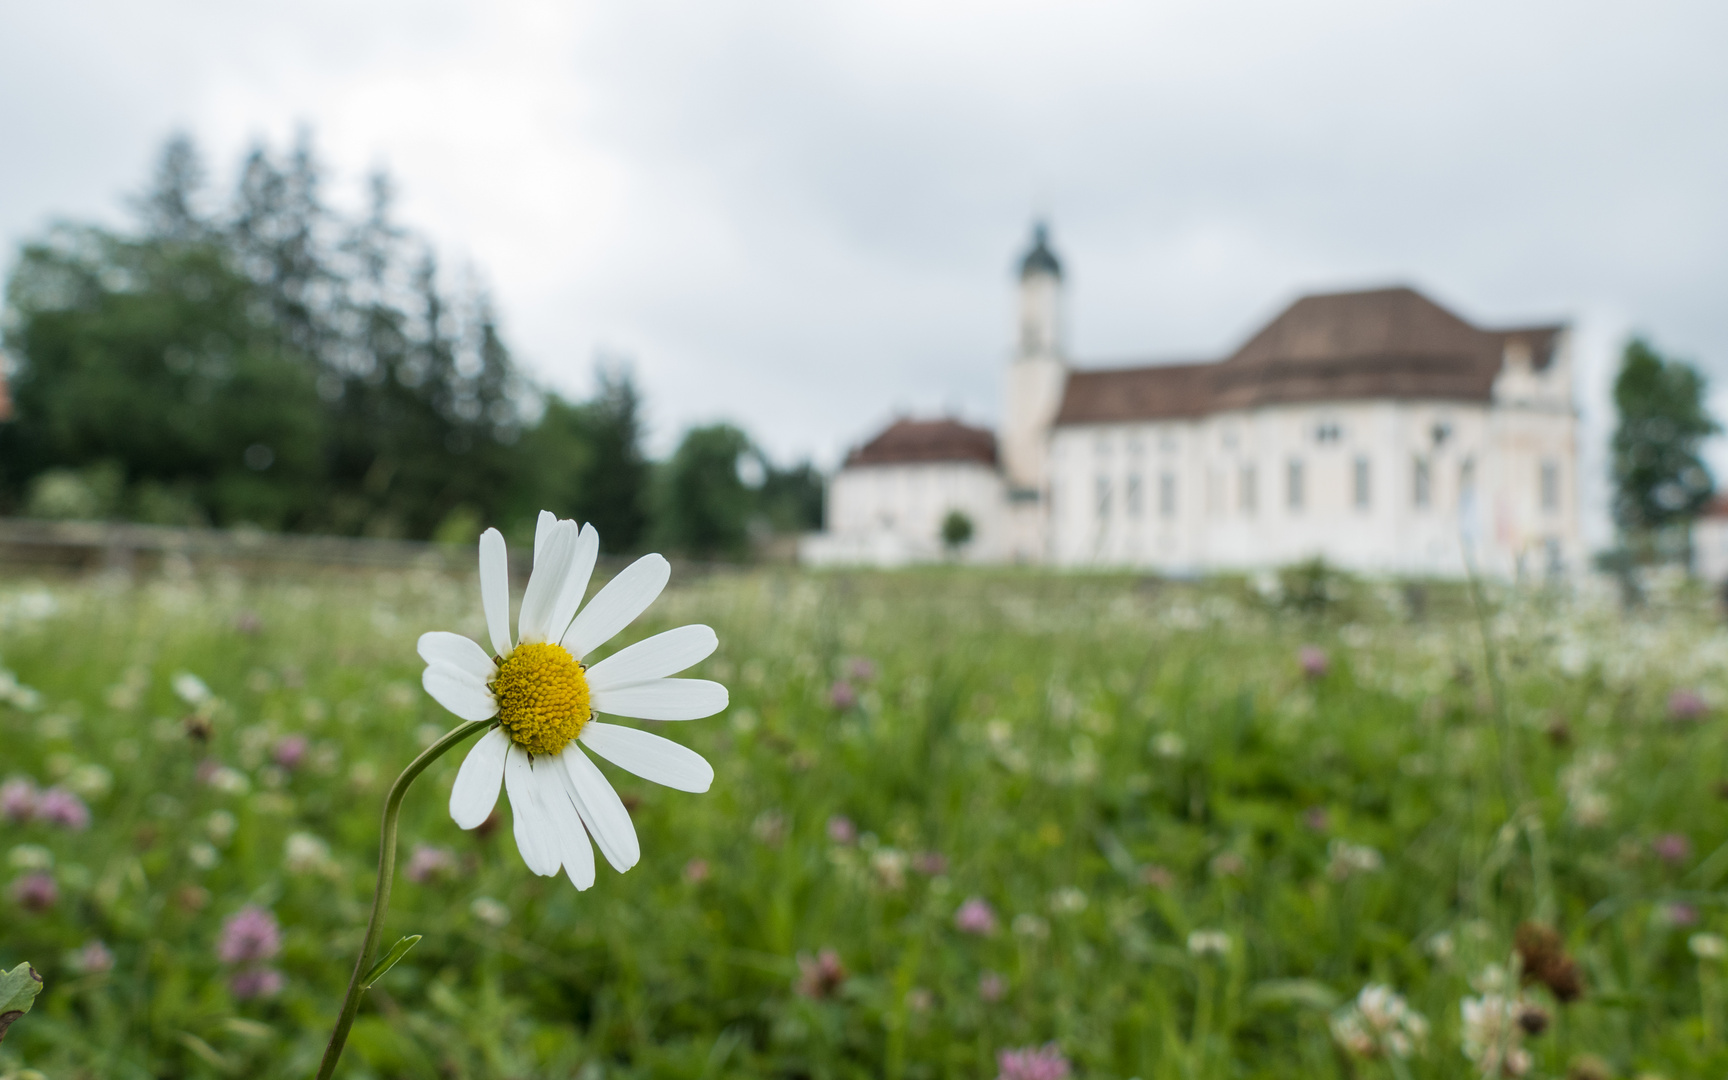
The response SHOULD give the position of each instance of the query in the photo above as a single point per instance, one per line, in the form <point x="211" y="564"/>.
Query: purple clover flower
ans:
<point x="57" y="806"/>
<point x="976" y="916"/>
<point x="1032" y="1063"/>
<point x="841" y="830"/>
<point x="1672" y="848"/>
<point x="249" y="935"/>
<point x="841" y="695"/>
<point x="1687" y="706"/>
<point x="290" y="751"/>
<point x="1314" y="661"/>
<point x="429" y="864"/>
<point x="255" y="982"/>
<point x="36" y="892"/>
<point x="18" y="799"/>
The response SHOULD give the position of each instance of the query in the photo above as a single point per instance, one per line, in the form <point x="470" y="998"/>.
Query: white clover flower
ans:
<point x="1491" y="1036"/>
<point x="220" y="826"/>
<point x="544" y="698"/>
<point x="190" y="688"/>
<point x="1708" y="946"/>
<point x="30" y="857"/>
<point x="1345" y="860"/>
<point x="305" y="854"/>
<point x="1067" y="901"/>
<point x="1208" y="943"/>
<point x="1379" y="1024"/>
<point x="489" y="911"/>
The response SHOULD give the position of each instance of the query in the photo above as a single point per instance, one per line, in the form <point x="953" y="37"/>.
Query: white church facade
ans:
<point x="1373" y="429"/>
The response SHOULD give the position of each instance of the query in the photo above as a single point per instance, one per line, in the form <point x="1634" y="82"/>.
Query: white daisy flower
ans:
<point x="545" y="698"/>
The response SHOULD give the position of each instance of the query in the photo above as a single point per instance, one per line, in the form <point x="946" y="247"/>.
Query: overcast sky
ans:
<point x="802" y="216"/>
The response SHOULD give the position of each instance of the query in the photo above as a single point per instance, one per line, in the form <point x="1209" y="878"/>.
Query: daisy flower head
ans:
<point x="544" y="693"/>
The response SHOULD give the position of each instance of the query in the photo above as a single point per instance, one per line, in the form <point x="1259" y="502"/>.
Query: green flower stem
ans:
<point x="381" y="896"/>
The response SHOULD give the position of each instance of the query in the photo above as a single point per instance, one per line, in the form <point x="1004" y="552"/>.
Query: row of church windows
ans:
<point x="1325" y="433"/>
<point x="1296" y="488"/>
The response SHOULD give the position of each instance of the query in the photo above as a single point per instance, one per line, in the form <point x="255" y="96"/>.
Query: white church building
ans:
<point x="1374" y="429"/>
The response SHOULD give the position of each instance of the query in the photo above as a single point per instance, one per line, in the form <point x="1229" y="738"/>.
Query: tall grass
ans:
<point x="1110" y="764"/>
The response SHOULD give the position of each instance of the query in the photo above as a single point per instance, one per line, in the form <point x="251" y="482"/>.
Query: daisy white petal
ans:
<point x="459" y="693"/>
<point x="568" y="836"/>
<point x="495" y="589"/>
<point x="658" y="656"/>
<point x="542" y="530"/>
<point x="663" y="699"/>
<point x="601" y="809"/>
<point x="576" y="583"/>
<point x="441" y="648"/>
<point x="477" y="781"/>
<point x="531" y="824"/>
<point x="649" y="756"/>
<point x="546" y="583"/>
<point x="617" y="605"/>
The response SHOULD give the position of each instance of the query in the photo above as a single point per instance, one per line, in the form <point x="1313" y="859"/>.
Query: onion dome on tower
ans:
<point x="1039" y="259"/>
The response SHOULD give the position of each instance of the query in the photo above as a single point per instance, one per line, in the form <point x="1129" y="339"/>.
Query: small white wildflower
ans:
<point x="1068" y="901"/>
<point x="1491" y="1036"/>
<point x="190" y="688"/>
<point x="229" y="781"/>
<point x="489" y="911"/>
<point x="1031" y="926"/>
<point x="220" y="826"/>
<point x="306" y="854"/>
<point x="1168" y="744"/>
<point x="1345" y="860"/>
<point x="890" y="866"/>
<point x="30" y="857"/>
<point x="1208" y="942"/>
<point x="1379" y="1024"/>
<point x="1708" y="946"/>
<point x="90" y="780"/>
<point x="203" y="856"/>
<point x="1441" y="946"/>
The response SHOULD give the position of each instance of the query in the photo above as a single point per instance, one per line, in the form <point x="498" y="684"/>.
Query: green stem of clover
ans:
<point x="381" y="896"/>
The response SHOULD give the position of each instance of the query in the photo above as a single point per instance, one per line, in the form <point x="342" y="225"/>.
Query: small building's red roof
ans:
<point x="908" y="441"/>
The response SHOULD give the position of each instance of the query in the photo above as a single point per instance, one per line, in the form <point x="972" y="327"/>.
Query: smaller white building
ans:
<point x="1710" y="542"/>
<point x="888" y="503"/>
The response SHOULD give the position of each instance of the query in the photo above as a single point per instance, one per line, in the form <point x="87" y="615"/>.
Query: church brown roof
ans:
<point x="1383" y="343"/>
<point x="908" y="441"/>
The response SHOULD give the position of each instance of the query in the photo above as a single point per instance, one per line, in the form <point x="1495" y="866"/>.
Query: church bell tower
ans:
<point x="1038" y="371"/>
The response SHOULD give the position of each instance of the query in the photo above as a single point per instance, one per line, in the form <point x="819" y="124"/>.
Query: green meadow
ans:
<point x="1174" y="829"/>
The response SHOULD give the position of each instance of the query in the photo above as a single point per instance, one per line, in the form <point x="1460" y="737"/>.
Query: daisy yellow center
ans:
<point x="542" y="697"/>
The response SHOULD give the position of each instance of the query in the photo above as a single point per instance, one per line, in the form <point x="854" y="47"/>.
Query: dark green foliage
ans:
<point x="272" y="364"/>
<point x="145" y="356"/>
<point x="790" y="500"/>
<point x="1659" y="476"/>
<point x="612" y="483"/>
<point x="702" y="507"/>
<point x="956" y="530"/>
<point x="276" y="364"/>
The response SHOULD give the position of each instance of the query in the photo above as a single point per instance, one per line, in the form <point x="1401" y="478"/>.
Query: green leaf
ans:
<point x="18" y="990"/>
<point x="388" y="960"/>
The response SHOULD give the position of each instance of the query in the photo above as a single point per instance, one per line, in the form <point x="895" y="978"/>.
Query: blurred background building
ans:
<point x="1374" y="429"/>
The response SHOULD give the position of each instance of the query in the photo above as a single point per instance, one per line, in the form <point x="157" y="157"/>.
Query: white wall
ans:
<point x="1217" y="493"/>
<point x="892" y="514"/>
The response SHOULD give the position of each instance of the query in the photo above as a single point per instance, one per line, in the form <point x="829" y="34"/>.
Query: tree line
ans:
<point x="265" y="359"/>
